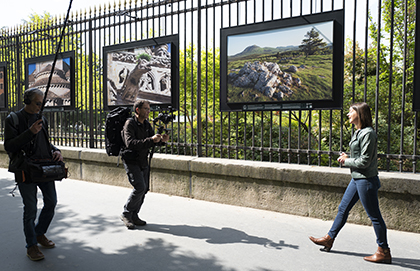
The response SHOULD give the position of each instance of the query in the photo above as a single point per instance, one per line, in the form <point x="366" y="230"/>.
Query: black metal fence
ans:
<point x="383" y="78"/>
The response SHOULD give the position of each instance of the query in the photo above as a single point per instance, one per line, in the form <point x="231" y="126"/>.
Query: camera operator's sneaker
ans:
<point x="128" y="223"/>
<point x="34" y="253"/>
<point x="138" y="222"/>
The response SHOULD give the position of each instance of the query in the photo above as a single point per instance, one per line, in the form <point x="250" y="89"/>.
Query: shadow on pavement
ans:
<point x="216" y="236"/>
<point x="71" y="254"/>
<point x="413" y="264"/>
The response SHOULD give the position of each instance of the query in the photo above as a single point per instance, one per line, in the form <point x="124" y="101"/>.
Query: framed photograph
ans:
<point x="61" y="95"/>
<point x="146" y="69"/>
<point x="3" y="86"/>
<point x="289" y="64"/>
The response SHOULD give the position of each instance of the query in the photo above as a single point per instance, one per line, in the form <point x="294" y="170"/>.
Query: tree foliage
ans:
<point x="383" y="76"/>
<point x="313" y="43"/>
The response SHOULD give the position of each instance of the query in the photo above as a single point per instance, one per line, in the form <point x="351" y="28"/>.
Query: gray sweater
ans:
<point x="363" y="161"/>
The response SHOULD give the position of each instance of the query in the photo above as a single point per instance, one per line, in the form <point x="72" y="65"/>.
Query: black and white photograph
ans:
<point x="140" y="70"/>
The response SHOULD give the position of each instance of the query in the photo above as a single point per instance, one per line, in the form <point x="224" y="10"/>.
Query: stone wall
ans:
<point x="288" y="188"/>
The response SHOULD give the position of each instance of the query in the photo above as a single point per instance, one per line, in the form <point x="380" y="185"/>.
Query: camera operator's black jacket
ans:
<point x="138" y="140"/>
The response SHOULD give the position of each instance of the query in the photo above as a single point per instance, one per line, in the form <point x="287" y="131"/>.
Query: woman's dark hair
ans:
<point x="363" y="111"/>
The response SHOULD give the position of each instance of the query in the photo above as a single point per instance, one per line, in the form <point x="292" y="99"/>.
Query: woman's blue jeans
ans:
<point x="367" y="191"/>
<point x="28" y="192"/>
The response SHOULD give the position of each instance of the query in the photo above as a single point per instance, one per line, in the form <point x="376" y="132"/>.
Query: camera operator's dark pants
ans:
<point x="29" y="191"/>
<point x="139" y="179"/>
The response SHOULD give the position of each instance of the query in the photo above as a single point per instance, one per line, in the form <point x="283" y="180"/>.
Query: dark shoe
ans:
<point x="382" y="255"/>
<point x="45" y="242"/>
<point x="325" y="241"/>
<point x="138" y="222"/>
<point x="128" y="223"/>
<point x="34" y="254"/>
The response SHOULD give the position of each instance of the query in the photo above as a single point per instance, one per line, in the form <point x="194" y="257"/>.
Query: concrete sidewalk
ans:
<point x="185" y="234"/>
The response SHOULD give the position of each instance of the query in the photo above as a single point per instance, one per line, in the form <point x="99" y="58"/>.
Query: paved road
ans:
<point x="185" y="234"/>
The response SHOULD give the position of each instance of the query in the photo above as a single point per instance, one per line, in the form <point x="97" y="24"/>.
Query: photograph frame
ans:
<point x="335" y="100"/>
<point x="3" y="86"/>
<point x="63" y="79"/>
<point x="151" y="78"/>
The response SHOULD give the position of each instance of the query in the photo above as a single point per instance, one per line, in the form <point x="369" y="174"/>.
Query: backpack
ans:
<point x="114" y="124"/>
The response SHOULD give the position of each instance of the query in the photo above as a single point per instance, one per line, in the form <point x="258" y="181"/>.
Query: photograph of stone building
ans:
<point x="139" y="73"/>
<point x="59" y="93"/>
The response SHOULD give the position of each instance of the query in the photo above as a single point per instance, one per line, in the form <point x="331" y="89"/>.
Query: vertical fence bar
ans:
<point x="289" y="139"/>
<point x="319" y="137"/>
<point x="378" y="59"/>
<point x="415" y="143"/>
<point x="270" y="153"/>
<point x="354" y="51"/>
<point x="199" y="120"/>
<point x="187" y="113"/>
<point x="309" y="136"/>
<point x="262" y="136"/>
<point x="214" y="81"/>
<point x="330" y="140"/>
<point x="366" y="49"/>
<point x="18" y="72"/>
<point x="192" y="79"/>
<point x="403" y="86"/>
<point x="207" y="81"/>
<point x="299" y="134"/>
<point x="280" y="134"/>
<point x="391" y="68"/>
<point x="253" y="136"/>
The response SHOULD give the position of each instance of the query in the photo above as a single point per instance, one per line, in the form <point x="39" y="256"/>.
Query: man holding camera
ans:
<point x="138" y="137"/>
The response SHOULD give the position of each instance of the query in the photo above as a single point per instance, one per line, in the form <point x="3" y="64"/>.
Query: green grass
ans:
<point x="316" y="79"/>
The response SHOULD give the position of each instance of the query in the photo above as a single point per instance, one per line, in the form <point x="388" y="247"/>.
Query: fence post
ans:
<point x="91" y="128"/>
<point x="18" y="75"/>
<point x="199" y="126"/>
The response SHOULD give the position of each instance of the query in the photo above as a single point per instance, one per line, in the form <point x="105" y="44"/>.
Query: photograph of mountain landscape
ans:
<point x="293" y="64"/>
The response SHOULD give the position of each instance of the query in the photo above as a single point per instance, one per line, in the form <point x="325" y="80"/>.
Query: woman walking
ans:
<point x="364" y="185"/>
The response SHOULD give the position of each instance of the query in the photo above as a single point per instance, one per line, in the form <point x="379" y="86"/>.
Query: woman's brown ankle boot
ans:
<point x="382" y="255"/>
<point x="325" y="241"/>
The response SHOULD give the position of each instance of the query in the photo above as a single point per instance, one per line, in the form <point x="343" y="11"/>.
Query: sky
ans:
<point x="275" y="38"/>
<point x="12" y="12"/>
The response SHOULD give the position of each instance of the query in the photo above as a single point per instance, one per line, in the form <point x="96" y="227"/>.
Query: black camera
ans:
<point x="165" y="116"/>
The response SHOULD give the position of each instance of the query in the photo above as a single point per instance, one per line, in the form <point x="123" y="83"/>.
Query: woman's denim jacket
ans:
<point x="363" y="161"/>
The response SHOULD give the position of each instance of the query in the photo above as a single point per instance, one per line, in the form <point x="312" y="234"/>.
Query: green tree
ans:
<point x="313" y="43"/>
<point x="209" y="89"/>
<point x="395" y="69"/>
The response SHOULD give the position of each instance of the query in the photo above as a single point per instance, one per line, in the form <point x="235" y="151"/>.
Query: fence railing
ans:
<point x="383" y="78"/>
